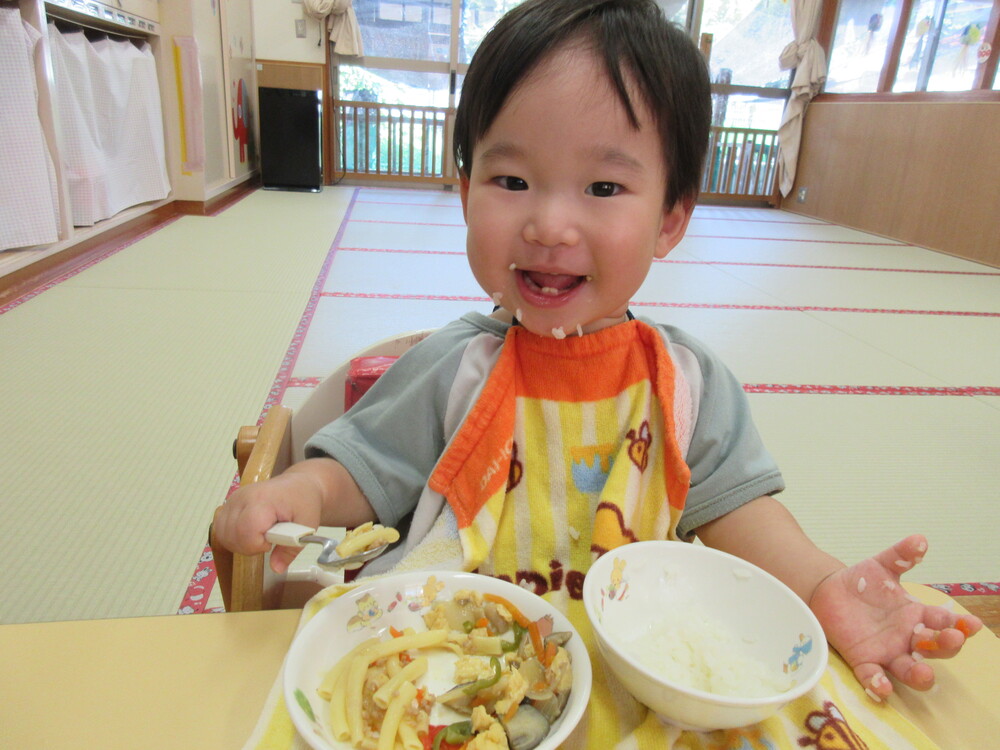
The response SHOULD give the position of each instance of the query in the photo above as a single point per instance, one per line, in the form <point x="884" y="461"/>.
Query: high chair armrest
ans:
<point x="241" y="578"/>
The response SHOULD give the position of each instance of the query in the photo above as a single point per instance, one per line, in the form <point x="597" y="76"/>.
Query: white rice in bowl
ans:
<point x="690" y="648"/>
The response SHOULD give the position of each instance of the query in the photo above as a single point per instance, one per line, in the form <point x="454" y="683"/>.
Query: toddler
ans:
<point x="525" y="442"/>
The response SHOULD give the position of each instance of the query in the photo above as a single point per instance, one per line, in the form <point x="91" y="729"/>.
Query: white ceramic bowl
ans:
<point x="637" y="594"/>
<point x="400" y="601"/>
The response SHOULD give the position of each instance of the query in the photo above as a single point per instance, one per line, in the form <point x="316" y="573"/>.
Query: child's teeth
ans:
<point x="549" y="290"/>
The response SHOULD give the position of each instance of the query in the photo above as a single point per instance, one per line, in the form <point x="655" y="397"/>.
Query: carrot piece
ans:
<point x="963" y="627"/>
<point x="482" y="622"/>
<point x="395" y="633"/>
<point x="549" y="654"/>
<point x="511" y="711"/>
<point x="928" y="645"/>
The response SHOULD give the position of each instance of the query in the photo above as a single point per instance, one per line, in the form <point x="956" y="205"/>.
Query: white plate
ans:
<point x="400" y="601"/>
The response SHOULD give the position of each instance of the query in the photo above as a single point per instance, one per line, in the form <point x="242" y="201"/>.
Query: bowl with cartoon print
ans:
<point x="390" y="606"/>
<point x="703" y="638"/>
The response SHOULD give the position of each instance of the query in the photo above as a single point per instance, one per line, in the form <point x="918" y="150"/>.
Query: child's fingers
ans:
<point x="903" y="555"/>
<point x="282" y="557"/>
<point x="873" y="680"/>
<point x="946" y="642"/>
<point x="912" y="672"/>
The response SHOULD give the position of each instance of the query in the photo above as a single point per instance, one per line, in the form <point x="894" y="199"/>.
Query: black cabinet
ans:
<point x="291" y="138"/>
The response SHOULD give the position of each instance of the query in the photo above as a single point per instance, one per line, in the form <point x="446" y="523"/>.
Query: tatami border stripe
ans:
<point x="676" y="261"/>
<point x="794" y="389"/>
<point x="680" y="305"/>
<point x="871" y="390"/>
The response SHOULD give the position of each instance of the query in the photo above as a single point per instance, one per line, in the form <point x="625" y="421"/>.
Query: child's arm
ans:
<point x="866" y="615"/>
<point x="314" y="492"/>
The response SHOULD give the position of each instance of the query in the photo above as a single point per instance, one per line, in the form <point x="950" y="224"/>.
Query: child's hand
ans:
<point x="240" y="524"/>
<point x="877" y="627"/>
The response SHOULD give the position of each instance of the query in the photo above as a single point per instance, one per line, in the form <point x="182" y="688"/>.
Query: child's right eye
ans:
<point x="511" y="183"/>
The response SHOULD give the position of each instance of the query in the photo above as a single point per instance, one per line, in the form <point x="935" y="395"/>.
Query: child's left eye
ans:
<point x="604" y="189"/>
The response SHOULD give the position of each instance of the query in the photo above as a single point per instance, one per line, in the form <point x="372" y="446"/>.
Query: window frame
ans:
<point x="982" y="90"/>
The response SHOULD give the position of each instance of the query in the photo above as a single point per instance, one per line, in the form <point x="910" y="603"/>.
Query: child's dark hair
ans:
<point x="634" y="39"/>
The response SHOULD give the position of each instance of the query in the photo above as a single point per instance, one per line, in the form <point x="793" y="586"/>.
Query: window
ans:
<point x="942" y="46"/>
<point x="955" y="46"/>
<point x="478" y="17"/>
<point x="859" y="45"/>
<point x="405" y="29"/>
<point x="747" y="38"/>
<point x="359" y="84"/>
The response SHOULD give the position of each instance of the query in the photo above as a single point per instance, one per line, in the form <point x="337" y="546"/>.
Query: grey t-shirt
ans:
<point x="391" y="440"/>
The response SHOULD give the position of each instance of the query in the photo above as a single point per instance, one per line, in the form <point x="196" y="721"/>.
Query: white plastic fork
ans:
<point x="289" y="534"/>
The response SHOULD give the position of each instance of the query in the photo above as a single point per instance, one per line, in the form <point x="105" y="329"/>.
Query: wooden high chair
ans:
<point x="247" y="582"/>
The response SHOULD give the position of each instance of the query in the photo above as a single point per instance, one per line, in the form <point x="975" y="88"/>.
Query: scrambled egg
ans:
<point x="489" y="732"/>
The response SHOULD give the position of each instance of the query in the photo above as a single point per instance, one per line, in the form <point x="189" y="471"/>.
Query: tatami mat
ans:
<point x="123" y="388"/>
<point x="863" y="471"/>
<point x="126" y="382"/>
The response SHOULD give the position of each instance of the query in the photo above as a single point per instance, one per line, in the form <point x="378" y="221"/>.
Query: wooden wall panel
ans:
<point x="927" y="173"/>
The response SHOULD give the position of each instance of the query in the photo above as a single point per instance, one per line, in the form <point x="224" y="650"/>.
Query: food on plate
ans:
<point x="512" y="677"/>
<point x="693" y="649"/>
<point x="365" y="537"/>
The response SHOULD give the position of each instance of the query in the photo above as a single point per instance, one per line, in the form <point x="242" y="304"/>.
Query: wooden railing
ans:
<point x="742" y="165"/>
<point x="405" y="143"/>
<point x="395" y="142"/>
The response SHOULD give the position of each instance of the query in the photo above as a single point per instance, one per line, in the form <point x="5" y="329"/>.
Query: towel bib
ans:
<point x="570" y="450"/>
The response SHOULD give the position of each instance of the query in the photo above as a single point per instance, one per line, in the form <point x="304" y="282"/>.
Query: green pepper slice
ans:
<point x="486" y="682"/>
<point x="454" y="734"/>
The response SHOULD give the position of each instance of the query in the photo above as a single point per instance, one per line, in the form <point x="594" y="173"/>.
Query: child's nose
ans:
<point x="551" y="223"/>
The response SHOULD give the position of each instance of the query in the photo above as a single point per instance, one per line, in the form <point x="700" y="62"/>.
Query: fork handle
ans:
<point x="288" y="534"/>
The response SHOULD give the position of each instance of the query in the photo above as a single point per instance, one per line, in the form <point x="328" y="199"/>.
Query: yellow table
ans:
<point x="199" y="681"/>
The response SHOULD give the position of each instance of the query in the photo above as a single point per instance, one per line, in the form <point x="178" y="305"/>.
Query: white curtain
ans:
<point x="29" y="205"/>
<point x="806" y="56"/>
<point x="110" y="123"/>
<point x="341" y="22"/>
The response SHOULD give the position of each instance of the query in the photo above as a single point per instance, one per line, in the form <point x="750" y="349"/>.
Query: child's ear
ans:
<point x="463" y="190"/>
<point x="675" y="223"/>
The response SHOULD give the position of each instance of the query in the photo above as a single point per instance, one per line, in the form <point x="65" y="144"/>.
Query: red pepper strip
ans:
<point x="520" y="619"/>
<point x="928" y="645"/>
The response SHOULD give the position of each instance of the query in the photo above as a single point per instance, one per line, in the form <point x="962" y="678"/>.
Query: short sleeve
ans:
<point x="392" y="438"/>
<point x="730" y="465"/>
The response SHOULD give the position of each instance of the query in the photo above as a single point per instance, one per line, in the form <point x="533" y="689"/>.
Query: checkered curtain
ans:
<point x="29" y="206"/>
<point x="110" y="123"/>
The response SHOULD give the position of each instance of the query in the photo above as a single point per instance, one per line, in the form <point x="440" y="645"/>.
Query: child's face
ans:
<point x="565" y="201"/>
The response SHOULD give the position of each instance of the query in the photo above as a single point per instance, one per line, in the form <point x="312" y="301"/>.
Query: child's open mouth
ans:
<point x="548" y="288"/>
